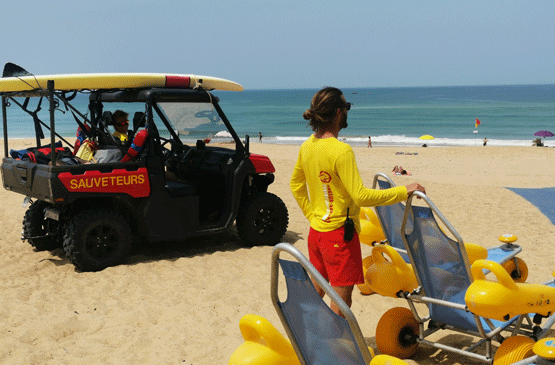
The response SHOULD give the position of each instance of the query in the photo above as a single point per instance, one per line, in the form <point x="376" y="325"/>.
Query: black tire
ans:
<point x="96" y="239"/>
<point x="35" y="229"/>
<point x="262" y="220"/>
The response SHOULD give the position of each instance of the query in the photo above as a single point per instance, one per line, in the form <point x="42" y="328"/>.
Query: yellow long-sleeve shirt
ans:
<point x="121" y="136"/>
<point x="326" y="182"/>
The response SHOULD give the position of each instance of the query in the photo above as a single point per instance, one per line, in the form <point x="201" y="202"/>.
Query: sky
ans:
<point x="289" y="44"/>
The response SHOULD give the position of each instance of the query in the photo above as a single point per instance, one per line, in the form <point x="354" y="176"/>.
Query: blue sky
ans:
<point x="289" y="44"/>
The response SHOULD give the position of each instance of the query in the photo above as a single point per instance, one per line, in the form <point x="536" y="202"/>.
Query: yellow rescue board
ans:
<point x="115" y="81"/>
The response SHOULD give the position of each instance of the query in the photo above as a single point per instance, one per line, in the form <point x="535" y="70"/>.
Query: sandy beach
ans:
<point x="181" y="302"/>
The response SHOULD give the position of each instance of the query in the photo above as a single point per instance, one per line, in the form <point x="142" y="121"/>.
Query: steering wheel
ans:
<point x="187" y="155"/>
<point x="169" y="155"/>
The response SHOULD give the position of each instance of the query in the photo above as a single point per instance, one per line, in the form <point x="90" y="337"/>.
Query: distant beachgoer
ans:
<point x="486" y="141"/>
<point x="399" y="170"/>
<point x="537" y="142"/>
<point x="260" y="137"/>
<point x="369" y="142"/>
<point x="424" y="145"/>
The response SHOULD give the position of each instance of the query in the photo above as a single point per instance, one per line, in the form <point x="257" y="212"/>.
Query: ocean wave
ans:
<point x="401" y="140"/>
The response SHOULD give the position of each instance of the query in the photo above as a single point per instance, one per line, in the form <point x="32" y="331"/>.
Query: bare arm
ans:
<point x="411" y="188"/>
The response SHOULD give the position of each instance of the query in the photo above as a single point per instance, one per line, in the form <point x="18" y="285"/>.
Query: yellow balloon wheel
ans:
<point x="397" y="332"/>
<point x="513" y="349"/>
<point x="511" y="268"/>
<point x="365" y="288"/>
<point x="387" y="360"/>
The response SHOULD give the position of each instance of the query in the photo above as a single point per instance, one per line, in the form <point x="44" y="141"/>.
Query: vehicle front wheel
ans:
<point x="262" y="220"/>
<point x="96" y="239"/>
<point x="36" y="229"/>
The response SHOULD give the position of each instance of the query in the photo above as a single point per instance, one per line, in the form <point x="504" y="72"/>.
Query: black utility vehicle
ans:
<point x="165" y="183"/>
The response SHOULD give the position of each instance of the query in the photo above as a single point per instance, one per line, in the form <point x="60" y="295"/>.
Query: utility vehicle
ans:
<point x="98" y="196"/>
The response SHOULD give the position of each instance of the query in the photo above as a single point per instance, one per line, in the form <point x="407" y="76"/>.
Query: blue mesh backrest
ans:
<point x="391" y="217"/>
<point x="440" y="265"/>
<point x="322" y="336"/>
<point x="438" y="259"/>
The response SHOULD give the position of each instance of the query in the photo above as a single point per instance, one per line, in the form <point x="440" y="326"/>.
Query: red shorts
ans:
<point x="338" y="261"/>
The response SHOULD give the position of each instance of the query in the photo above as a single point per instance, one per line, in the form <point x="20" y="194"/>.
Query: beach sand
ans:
<point x="181" y="302"/>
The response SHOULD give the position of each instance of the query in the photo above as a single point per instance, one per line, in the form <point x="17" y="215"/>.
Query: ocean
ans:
<point x="509" y="115"/>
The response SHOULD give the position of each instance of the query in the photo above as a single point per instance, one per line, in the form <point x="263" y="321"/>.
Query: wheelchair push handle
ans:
<point x="500" y="273"/>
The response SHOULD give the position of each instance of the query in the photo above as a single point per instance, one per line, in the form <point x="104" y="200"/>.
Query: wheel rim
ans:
<point x="101" y="241"/>
<point x="407" y="337"/>
<point x="266" y="221"/>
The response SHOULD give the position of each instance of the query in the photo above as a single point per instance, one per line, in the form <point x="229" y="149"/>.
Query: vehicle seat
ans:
<point x="138" y="122"/>
<point x="106" y="137"/>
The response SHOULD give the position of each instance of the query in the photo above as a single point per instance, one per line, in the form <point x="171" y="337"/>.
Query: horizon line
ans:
<point x="551" y="83"/>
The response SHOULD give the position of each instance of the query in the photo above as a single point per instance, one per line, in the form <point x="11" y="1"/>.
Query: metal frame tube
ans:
<point x="5" y="124"/>
<point x="456" y="350"/>
<point x="50" y="86"/>
<point x="547" y="326"/>
<point x="528" y="361"/>
<point x="381" y="174"/>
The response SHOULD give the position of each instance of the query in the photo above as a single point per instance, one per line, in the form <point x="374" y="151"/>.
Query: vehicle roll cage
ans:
<point x="149" y="96"/>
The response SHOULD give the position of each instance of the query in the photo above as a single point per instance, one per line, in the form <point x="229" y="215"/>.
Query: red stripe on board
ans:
<point x="177" y="81"/>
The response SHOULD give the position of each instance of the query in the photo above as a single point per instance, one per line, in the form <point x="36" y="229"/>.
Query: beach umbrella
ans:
<point x="426" y="136"/>
<point x="223" y="134"/>
<point x="544" y="134"/>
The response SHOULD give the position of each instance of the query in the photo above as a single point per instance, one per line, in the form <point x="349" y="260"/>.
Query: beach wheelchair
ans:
<point x="390" y="218"/>
<point x="318" y="335"/>
<point x="459" y="298"/>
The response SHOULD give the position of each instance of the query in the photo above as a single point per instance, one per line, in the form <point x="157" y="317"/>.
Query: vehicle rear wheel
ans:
<point x="96" y="239"/>
<point x="35" y="228"/>
<point x="262" y="220"/>
<point x="397" y="332"/>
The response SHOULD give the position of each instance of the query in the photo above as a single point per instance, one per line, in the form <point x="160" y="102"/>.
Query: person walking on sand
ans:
<point x="328" y="188"/>
<point x="369" y="142"/>
<point x="485" y="141"/>
<point x="260" y="137"/>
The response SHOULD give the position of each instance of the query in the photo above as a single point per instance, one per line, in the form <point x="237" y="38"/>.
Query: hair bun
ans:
<point x="308" y="114"/>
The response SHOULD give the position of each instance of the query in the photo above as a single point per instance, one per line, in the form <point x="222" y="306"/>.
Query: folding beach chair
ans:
<point x="390" y="217"/>
<point x="444" y="276"/>
<point x="318" y="335"/>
